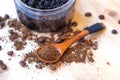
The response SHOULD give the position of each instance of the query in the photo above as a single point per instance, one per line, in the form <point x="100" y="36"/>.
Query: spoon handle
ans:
<point x="96" y="27"/>
<point x="92" y="29"/>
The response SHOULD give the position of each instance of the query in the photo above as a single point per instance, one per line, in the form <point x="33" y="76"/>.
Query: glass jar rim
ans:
<point x="64" y="6"/>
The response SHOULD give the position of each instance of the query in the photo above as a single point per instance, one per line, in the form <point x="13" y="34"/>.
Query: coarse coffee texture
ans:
<point x="49" y="53"/>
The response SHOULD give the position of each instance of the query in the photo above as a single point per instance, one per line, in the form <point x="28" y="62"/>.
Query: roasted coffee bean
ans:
<point x="59" y="40"/>
<point x="82" y="40"/>
<point x="60" y="33"/>
<point x="118" y="21"/>
<point x="70" y="30"/>
<point x="74" y="23"/>
<point x="23" y="63"/>
<point x="1" y="18"/>
<point x="101" y="17"/>
<point x="0" y="47"/>
<point x="114" y="31"/>
<point x="88" y="14"/>
<point x="10" y="53"/>
<point x="2" y="24"/>
<point x="1" y="62"/>
<point x="11" y="31"/>
<point x="41" y="40"/>
<point x="6" y="16"/>
<point x="3" y="66"/>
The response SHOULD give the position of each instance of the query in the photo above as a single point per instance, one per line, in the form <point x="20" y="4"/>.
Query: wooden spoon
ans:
<point x="61" y="48"/>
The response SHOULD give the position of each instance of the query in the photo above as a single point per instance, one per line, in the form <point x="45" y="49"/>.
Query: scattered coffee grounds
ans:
<point x="29" y="38"/>
<point x="2" y="24"/>
<point x="19" y="39"/>
<point x="0" y="47"/>
<point x="118" y="21"/>
<point x="59" y="40"/>
<point x="23" y="63"/>
<point x="74" y="23"/>
<point x="41" y="40"/>
<point x="1" y="62"/>
<point x="10" y="53"/>
<point x="88" y="14"/>
<point x="1" y="18"/>
<point x="9" y="59"/>
<point x="70" y="30"/>
<point x="80" y="53"/>
<point x="60" y="33"/>
<point x="6" y="16"/>
<point x="114" y="31"/>
<point x="101" y="17"/>
<point x="3" y="66"/>
<point x="44" y="4"/>
<point x="49" y="53"/>
<point x="108" y="63"/>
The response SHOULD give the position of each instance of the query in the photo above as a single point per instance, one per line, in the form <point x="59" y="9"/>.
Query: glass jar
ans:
<point x="45" y="20"/>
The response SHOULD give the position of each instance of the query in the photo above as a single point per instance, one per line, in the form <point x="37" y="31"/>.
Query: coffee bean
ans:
<point x="10" y="53"/>
<point x="74" y="23"/>
<point x="60" y="33"/>
<point x="11" y="31"/>
<point x="118" y="21"/>
<point x="114" y="31"/>
<point x="1" y="62"/>
<point x="6" y="16"/>
<point x="2" y="24"/>
<point x="82" y="40"/>
<point x="1" y="18"/>
<point x="88" y="14"/>
<point x="101" y="17"/>
<point x="3" y="66"/>
<point x="23" y="63"/>
<point x="70" y="30"/>
<point x="0" y="47"/>
<point x="41" y="40"/>
<point x="59" y="40"/>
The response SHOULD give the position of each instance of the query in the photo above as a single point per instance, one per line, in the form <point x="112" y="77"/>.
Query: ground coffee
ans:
<point x="49" y="53"/>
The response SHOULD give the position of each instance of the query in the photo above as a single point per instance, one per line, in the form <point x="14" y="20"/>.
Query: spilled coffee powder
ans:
<point x="80" y="52"/>
<point x="49" y="53"/>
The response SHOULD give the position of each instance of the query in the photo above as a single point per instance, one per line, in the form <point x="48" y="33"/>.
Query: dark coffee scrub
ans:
<point x="45" y="15"/>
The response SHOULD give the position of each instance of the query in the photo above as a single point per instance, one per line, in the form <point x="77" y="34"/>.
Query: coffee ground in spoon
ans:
<point x="49" y="53"/>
